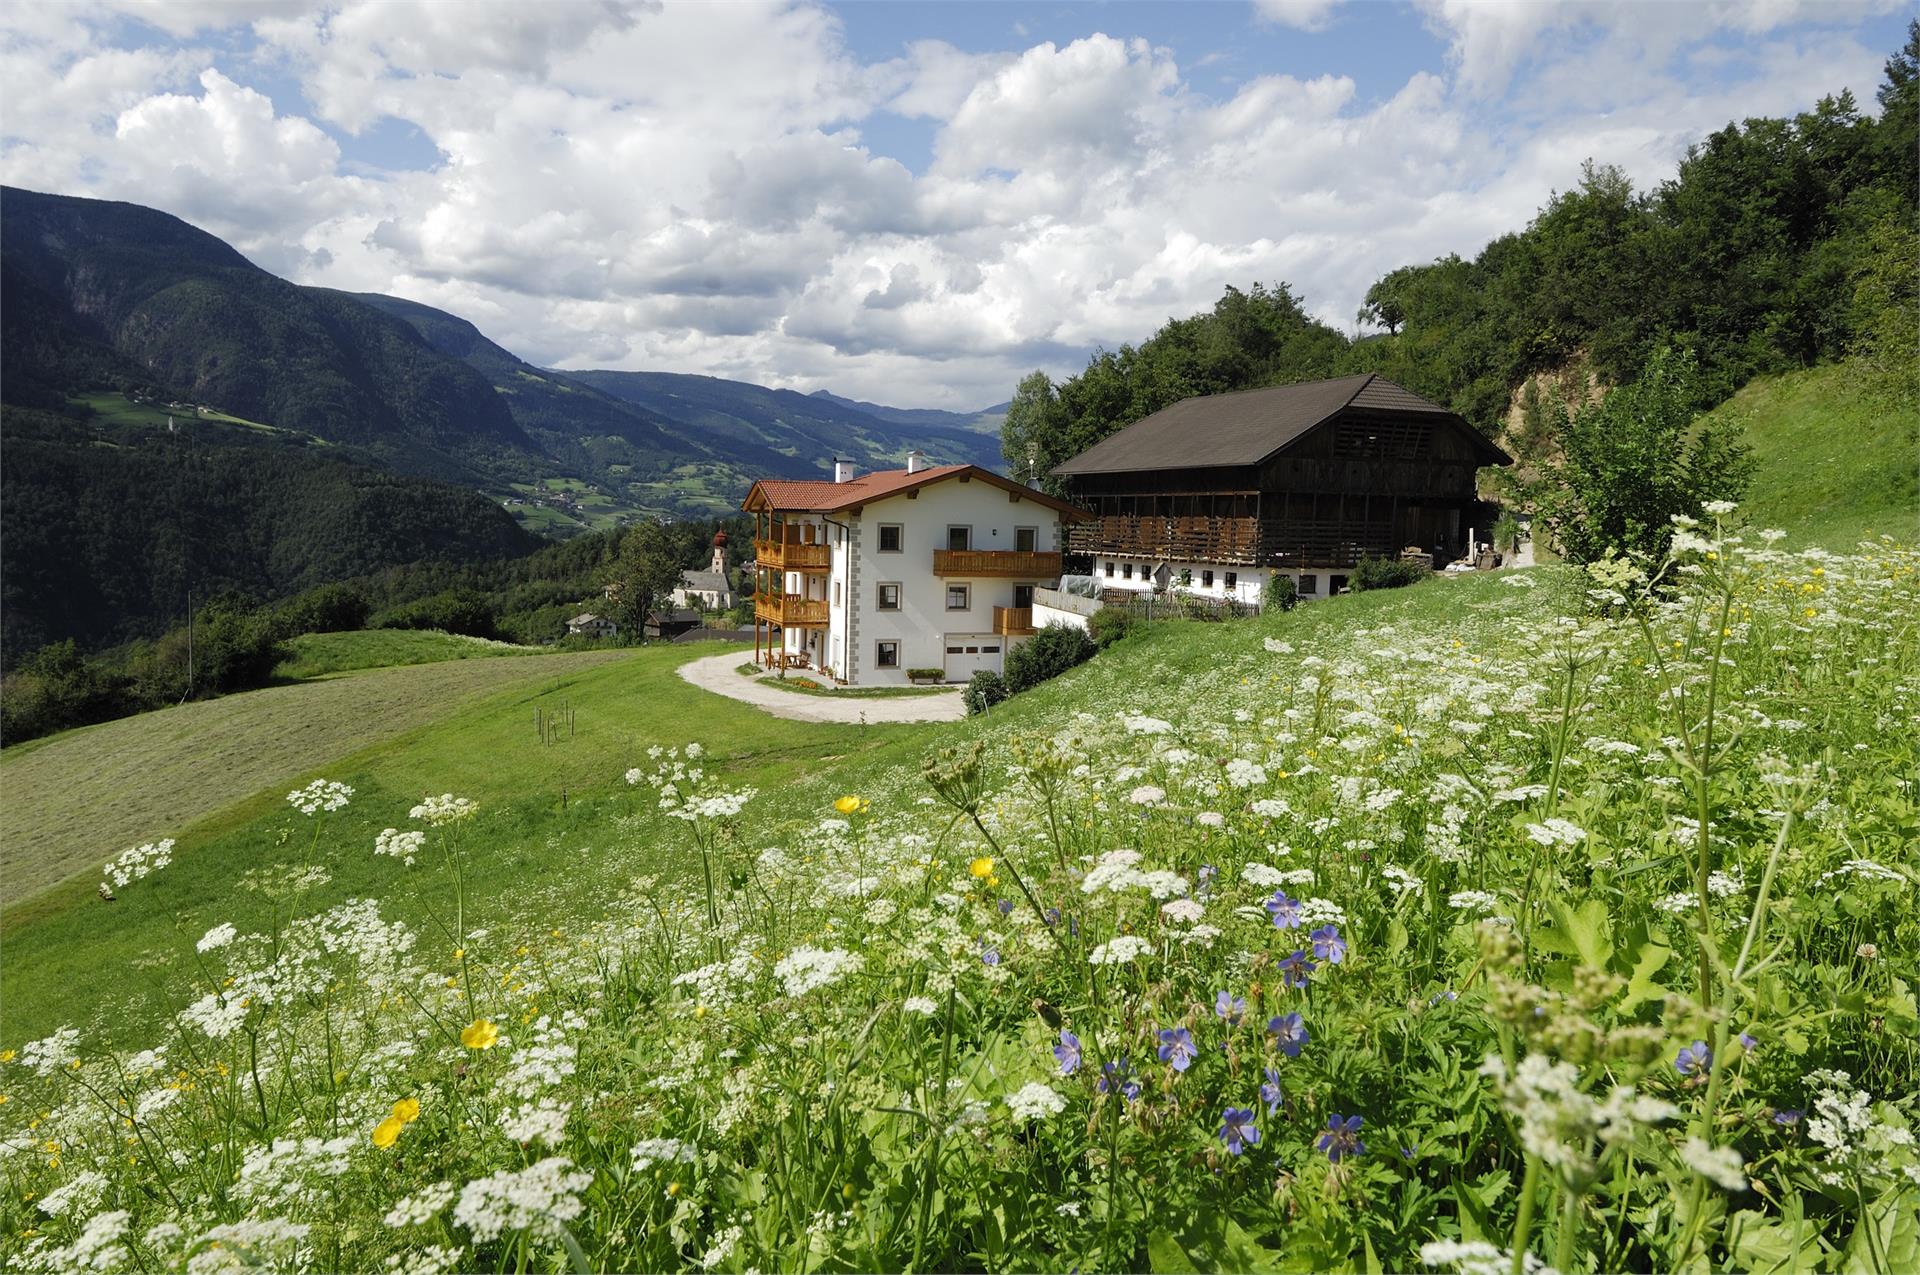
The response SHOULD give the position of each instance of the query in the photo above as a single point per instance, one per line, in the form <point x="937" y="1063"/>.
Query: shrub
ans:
<point x="1110" y="624"/>
<point x="1506" y="531"/>
<point x="1048" y="653"/>
<point x="1282" y="594"/>
<point x="1386" y="573"/>
<point x="984" y="689"/>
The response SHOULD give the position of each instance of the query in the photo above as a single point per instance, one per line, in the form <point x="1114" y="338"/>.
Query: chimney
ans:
<point x="916" y="461"/>
<point x="842" y="470"/>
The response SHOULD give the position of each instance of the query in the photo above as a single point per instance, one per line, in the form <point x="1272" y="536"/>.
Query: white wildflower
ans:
<point x="322" y="795"/>
<point x="534" y="1200"/>
<point x="218" y="937"/>
<point x="807" y="969"/>
<point x="1035" y="1101"/>
<point x="1119" y="951"/>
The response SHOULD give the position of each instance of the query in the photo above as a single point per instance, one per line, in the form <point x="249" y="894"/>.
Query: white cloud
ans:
<point x="697" y="187"/>
<point x="1307" y="15"/>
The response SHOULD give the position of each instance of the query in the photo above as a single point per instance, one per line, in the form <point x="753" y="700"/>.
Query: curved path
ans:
<point x="716" y="673"/>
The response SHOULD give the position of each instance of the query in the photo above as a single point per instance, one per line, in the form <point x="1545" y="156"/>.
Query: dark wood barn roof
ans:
<point x="1246" y="427"/>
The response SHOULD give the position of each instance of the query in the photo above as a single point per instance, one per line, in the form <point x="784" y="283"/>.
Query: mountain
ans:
<point x="115" y="295"/>
<point x="985" y="421"/>
<point x="107" y="522"/>
<point x="807" y="429"/>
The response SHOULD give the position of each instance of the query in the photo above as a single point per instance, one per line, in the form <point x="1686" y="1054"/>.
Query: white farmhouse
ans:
<point x="927" y="567"/>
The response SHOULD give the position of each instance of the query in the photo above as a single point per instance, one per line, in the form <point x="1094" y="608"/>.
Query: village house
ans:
<point x="1215" y="495"/>
<point x="587" y="624"/>
<point x="927" y="567"/>
<point x="711" y="588"/>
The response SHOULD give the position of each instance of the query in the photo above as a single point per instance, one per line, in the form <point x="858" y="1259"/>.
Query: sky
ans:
<point x="909" y="203"/>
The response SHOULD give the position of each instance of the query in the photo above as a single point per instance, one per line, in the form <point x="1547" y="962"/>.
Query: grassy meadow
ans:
<point x="1421" y="929"/>
<point x="321" y="654"/>
<point x="1835" y="460"/>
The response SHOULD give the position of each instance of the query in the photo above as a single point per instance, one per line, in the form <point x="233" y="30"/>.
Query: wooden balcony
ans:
<point x="996" y="562"/>
<point x="790" y="610"/>
<point x="791" y="555"/>
<point x="1012" y="621"/>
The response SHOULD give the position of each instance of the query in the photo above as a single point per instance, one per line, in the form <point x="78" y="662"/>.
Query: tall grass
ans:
<point x="1389" y="940"/>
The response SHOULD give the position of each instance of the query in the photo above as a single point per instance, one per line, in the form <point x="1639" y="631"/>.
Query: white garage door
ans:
<point x="968" y="653"/>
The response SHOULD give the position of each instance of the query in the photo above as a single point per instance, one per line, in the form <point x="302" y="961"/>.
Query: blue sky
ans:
<point x="909" y="203"/>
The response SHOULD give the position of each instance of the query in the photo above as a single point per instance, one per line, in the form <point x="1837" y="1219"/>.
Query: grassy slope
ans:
<point x="318" y="654"/>
<point x="558" y="822"/>
<point x="536" y="853"/>
<point x="1836" y="461"/>
<point x="78" y="798"/>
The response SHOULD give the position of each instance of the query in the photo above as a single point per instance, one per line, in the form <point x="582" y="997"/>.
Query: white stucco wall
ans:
<point x="923" y="623"/>
<point x="1249" y="586"/>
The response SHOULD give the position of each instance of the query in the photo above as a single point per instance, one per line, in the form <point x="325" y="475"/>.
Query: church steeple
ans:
<point x="720" y="553"/>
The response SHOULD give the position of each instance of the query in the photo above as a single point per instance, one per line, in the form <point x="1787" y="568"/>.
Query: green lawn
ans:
<point x="559" y="824"/>
<point x="320" y="654"/>
<point x="1836" y="460"/>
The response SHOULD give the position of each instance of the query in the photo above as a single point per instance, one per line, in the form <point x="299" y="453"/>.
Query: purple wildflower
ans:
<point x="989" y="955"/>
<point x="1270" y="1091"/>
<point x="1295" y="969"/>
<point x="1237" y="1129"/>
<point x="1787" y="1118"/>
<point x="1748" y="1043"/>
<point x="1289" y="1033"/>
<point x="1006" y="907"/>
<point x="1694" y="1059"/>
<point x="1342" y="1138"/>
<point x="1203" y="881"/>
<point x="1328" y="945"/>
<point x="1067" y="1052"/>
<point x="1176" y="1048"/>
<point x="1284" y="911"/>
<point x="1119" y="1075"/>
<point x="1230" y="1007"/>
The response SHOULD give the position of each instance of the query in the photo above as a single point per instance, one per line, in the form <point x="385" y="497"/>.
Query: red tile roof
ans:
<point x="819" y="495"/>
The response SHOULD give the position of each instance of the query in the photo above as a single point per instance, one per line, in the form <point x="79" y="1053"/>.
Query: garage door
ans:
<point x="968" y="653"/>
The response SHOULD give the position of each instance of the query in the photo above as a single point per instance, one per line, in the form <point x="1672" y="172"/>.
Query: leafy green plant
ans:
<point x="1386" y="573"/>
<point x="1110" y="624"/>
<point x="1281" y="593"/>
<point x="984" y="689"/>
<point x="1050" y="652"/>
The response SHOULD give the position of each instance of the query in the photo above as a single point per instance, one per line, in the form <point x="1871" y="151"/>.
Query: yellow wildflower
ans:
<point x="981" y="868"/>
<point x="407" y="1110"/>
<point x="387" y="1132"/>
<point x="847" y="804"/>
<point x="480" y="1034"/>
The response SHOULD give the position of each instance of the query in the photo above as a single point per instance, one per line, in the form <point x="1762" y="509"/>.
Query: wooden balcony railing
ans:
<point x="1012" y="621"/>
<point x="790" y="610"/>
<point x="1021" y="565"/>
<point x="790" y="555"/>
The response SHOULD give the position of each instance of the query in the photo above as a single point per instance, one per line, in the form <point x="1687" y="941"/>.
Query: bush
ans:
<point x="985" y="689"/>
<point x="1110" y="624"/>
<point x="926" y="674"/>
<point x="1386" y="573"/>
<point x="1282" y="594"/>
<point x="1048" y="653"/>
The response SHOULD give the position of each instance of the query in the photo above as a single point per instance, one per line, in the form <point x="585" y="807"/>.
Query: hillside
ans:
<point x="806" y="430"/>
<point x="1836" y="457"/>
<point x="1327" y="900"/>
<point x="129" y="288"/>
<point x="985" y="421"/>
<point x="108" y="521"/>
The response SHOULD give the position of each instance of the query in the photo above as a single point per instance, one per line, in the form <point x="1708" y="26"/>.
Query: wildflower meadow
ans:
<point x="1565" y="921"/>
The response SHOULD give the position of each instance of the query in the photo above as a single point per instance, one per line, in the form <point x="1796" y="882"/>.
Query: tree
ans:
<point x="1625" y="465"/>
<point x="647" y="569"/>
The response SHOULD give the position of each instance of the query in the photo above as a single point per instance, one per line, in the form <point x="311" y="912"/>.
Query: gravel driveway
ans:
<point x="716" y="673"/>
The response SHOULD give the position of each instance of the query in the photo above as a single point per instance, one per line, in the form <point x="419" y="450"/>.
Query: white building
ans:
<point x="710" y="588"/>
<point x="927" y="567"/>
<point x="587" y="624"/>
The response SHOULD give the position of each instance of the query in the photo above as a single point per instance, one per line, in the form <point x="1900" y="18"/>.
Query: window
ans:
<point x="1126" y="571"/>
<point x="960" y="538"/>
<point x="959" y="597"/>
<point x="989" y="650"/>
<point x="886" y="655"/>
<point x="956" y="650"/>
<point x="1309" y="583"/>
<point x="1206" y="579"/>
<point x="1336" y="583"/>
<point x="889" y="597"/>
<point x="891" y="536"/>
<point x="1233" y="581"/>
<point x="1109" y="571"/>
<point x="836" y="593"/>
<point x="1026" y="539"/>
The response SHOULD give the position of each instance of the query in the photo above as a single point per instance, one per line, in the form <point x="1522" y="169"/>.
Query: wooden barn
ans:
<point x="1215" y="494"/>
